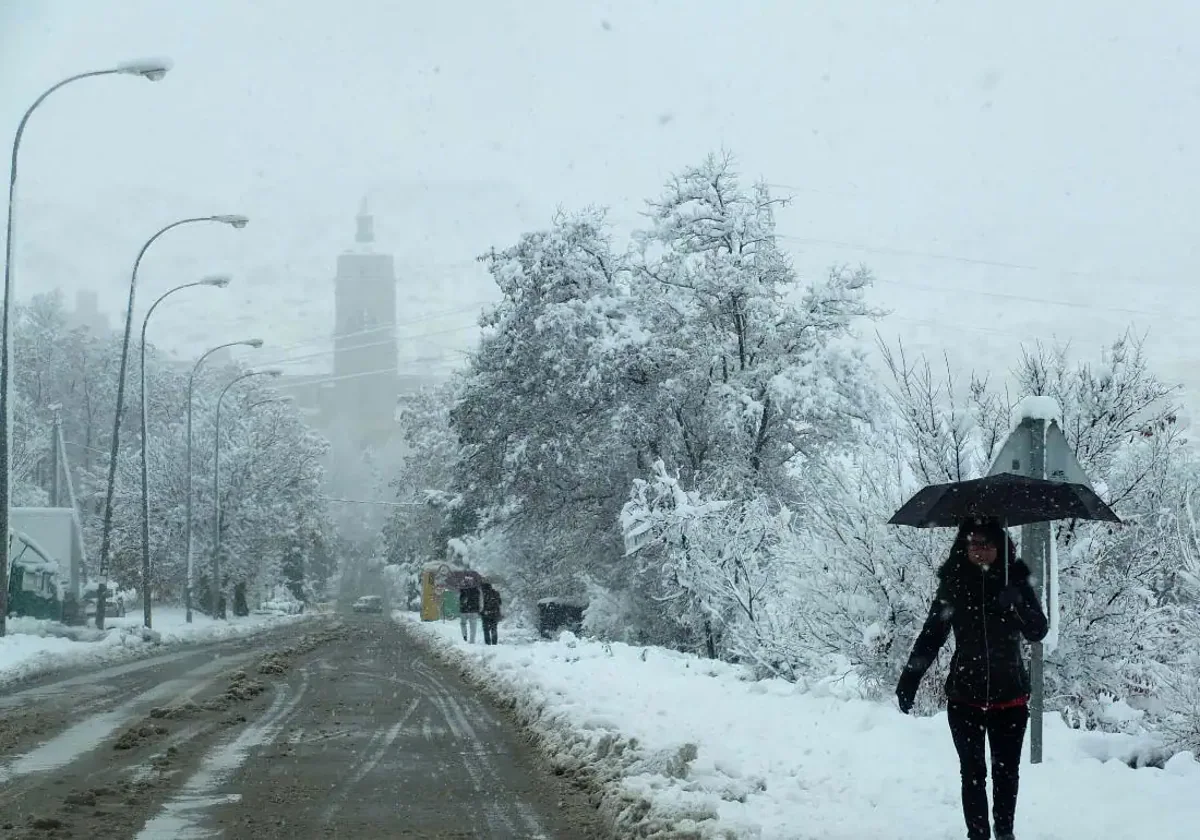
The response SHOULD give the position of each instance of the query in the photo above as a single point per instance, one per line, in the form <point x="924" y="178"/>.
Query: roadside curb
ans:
<point x="599" y="766"/>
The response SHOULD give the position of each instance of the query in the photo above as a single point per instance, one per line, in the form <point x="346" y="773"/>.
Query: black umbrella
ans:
<point x="1005" y="497"/>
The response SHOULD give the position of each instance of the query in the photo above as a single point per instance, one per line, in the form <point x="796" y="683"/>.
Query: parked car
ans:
<point x="368" y="604"/>
<point x="280" y="602"/>
<point x="114" y="602"/>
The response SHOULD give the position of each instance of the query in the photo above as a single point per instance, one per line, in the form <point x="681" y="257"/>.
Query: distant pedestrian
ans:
<point x="468" y="609"/>
<point x="491" y="613"/>
<point x="989" y="608"/>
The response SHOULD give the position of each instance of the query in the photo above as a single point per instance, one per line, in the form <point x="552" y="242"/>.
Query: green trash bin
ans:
<point x="450" y="604"/>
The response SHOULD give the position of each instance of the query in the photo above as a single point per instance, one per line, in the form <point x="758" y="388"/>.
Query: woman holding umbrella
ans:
<point x="984" y="596"/>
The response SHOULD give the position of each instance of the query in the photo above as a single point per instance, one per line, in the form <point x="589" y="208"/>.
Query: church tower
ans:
<point x="364" y="338"/>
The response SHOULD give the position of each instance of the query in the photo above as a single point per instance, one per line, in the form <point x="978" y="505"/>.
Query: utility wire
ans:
<point x="284" y="360"/>
<point x="958" y="258"/>
<point x="1122" y="310"/>
<point x="369" y="502"/>
<point x="322" y="380"/>
<point x="322" y="338"/>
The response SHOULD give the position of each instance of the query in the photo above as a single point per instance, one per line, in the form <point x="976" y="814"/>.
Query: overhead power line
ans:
<point x="1122" y="310"/>
<point x="286" y="360"/>
<point x="958" y="258"/>
<point x="320" y="339"/>
<point x="285" y="384"/>
<point x="370" y="502"/>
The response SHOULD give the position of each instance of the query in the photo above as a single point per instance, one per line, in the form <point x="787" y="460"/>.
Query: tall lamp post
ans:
<point x="219" y="282"/>
<point x="152" y="70"/>
<point x="187" y="587"/>
<point x="218" y="604"/>
<point x="106" y="530"/>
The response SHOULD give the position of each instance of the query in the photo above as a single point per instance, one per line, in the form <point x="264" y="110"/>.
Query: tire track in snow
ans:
<point x="476" y="762"/>
<point x="182" y="816"/>
<point x="88" y="734"/>
<point x="374" y="755"/>
<point x="476" y="711"/>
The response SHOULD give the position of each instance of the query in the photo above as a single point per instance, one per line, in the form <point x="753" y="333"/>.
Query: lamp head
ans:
<point x="219" y="281"/>
<point x="233" y="220"/>
<point x="152" y="69"/>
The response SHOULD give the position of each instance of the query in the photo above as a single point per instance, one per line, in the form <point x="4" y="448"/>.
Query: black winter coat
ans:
<point x="468" y="600"/>
<point x="988" y="666"/>
<point x="491" y="603"/>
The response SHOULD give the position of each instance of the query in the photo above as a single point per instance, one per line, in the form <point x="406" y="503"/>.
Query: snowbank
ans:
<point x="36" y="647"/>
<point x="675" y="746"/>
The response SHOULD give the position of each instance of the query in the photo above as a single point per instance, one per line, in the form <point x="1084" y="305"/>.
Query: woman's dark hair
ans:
<point x="992" y="531"/>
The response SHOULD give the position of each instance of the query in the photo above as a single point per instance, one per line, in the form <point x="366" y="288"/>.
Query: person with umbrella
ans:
<point x="985" y="598"/>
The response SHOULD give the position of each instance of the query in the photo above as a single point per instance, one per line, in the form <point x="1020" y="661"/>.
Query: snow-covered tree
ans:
<point x="702" y="350"/>
<point x="1121" y="420"/>
<point x="270" y="460"/>
<point x="416" y="532"/>
<point x="711" y="563"/>
<point x="547" y="452"/>
<point x="759" y="378"/>
<point x="869" y="584"/>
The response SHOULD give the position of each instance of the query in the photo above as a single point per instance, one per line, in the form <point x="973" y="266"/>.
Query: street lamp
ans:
<point x="148" y="69"/>
<point x="187" y="586"/>
<point x="106" y="530"/>
<point x="215" y="281"/>
<point x="284" y="399"/>
<point x="218" y="605"/>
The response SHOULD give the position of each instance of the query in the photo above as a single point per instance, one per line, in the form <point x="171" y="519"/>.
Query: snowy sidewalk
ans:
<point x="34" y="647"/>
<point x="685" y="743"/>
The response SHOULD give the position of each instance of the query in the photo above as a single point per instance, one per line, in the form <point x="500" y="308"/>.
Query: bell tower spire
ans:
<point x="365" y="234"/>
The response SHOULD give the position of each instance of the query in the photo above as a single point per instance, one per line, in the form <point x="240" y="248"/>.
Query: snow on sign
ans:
<point x="1037" y="408"/>
<point x="1061" y="464"/>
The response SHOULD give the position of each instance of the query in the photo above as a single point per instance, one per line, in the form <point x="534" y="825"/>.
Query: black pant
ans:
<point x="489" y="629"/>
<point x="1005" y="732"/>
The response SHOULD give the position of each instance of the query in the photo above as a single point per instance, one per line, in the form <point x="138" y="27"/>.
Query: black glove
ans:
<point x="906" y="693"/>
<point x="1010" y="597"/>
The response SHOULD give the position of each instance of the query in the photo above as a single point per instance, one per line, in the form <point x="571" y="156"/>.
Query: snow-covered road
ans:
<point x="330" y="728"/>
<point x="94" y="745"/>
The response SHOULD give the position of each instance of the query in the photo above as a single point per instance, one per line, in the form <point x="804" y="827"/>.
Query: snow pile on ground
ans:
<point x="676" y="746"/>
<point x="35" y="647"/>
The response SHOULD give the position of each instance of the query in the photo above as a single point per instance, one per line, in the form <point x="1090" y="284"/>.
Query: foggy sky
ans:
<point x="1057" y="139"/>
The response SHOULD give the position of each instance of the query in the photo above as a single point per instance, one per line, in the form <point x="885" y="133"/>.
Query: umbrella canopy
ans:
<point x="1005" y="497"/>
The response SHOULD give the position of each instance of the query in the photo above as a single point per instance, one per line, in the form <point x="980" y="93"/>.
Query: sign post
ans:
<point x="1037" y="448"/>
<point x="1035" y="545"/>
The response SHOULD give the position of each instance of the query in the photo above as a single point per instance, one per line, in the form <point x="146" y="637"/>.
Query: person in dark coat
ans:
<point x="490" y="613"/>
<point x="468" y="609"/>
<point x="988" y="686"/>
